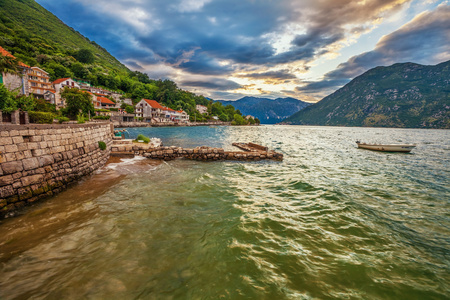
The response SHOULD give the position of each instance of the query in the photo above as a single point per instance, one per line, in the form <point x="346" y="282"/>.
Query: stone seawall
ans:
<point x="37" y="161"/>
<point x="209" y="154"/>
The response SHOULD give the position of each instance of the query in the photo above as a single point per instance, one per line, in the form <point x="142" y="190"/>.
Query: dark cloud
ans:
<point x="214" y="83"/>
<point x="426" y="40"/>
<point x="233" y="30"/>
<point x="276" y="75"/>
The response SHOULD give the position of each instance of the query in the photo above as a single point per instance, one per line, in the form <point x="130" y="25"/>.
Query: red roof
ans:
<point x="104" y="100"/>
<point x="60" y="80"/>
<point x="6" y="53"/>
<point x="154" y="104"/>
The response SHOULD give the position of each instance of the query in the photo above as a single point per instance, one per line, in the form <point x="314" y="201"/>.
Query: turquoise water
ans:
<point x="329" y="222"/>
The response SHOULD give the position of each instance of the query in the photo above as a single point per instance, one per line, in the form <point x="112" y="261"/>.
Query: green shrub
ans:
<point x="142" y="137"/>
<point x="102" y="145"/>
<point x="80" y="119"/>
<point x="114" y="109"/>
<point x="62" y="119"/>
<point x="41" y="117"/>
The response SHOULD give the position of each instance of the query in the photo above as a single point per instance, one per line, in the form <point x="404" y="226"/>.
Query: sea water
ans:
<point x="328" y="222"/>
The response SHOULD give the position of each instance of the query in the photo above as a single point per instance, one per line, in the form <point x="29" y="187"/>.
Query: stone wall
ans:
<point x="208" y="154"/>
<point x="37" y="161"/>
<point x="16" y="83"/>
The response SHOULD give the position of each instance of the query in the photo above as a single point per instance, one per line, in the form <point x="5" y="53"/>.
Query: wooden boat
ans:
<point x="387" y="147"/>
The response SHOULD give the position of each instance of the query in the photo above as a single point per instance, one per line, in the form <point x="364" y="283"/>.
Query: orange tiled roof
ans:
<point x="60" y="80"/>
<point x="154" y="104"/>
<point x="105" y="100"/>
<point x="6" y="53"/>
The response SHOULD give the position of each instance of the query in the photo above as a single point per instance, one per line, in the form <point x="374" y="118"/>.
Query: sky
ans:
<point x="227" y="49"/>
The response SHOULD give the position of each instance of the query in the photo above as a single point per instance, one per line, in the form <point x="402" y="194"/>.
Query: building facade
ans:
<point x="38" y="82"/>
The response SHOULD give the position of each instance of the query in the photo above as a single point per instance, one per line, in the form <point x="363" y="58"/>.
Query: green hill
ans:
<point x="28" y="30"/>
<point x="402" y="95"/>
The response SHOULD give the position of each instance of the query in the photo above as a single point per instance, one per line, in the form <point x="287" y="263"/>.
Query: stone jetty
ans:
<point x="252" y="152"/>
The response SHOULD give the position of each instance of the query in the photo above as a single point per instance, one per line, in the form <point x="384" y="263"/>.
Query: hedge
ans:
<point x="40" y="117"/>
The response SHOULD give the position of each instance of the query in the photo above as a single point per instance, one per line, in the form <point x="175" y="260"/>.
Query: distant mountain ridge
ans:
<point x="402" y="95"/>
<point x="268" y="111"/>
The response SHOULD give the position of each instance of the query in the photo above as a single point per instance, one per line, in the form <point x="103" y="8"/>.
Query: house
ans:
<point x="201" y="109"/>
<point x="38" y="82"/>
<point x="183" y="116"/>
<point x="15" y="82"/>
<point x="59" y="85"/>
<point x="150" y="110"/>
<point x="105" y="102"/>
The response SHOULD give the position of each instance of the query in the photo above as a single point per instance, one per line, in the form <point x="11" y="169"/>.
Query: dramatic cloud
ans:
<point x="424" y="40"/>
<point x="230" y="38"/>
<point x="214" y="83"/>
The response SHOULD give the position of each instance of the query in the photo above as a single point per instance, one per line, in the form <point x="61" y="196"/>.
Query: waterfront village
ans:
<point x="108" y="104"/>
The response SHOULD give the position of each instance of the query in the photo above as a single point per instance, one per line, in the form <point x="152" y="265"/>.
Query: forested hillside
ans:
<point x="38" y="38"/>
<point x="267" y="110"/>
<point x="402" y="95"/>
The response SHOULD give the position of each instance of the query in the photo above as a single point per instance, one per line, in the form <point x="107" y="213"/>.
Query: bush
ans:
<point x="102" y="145"/>
<point x="62" y="119"/>
<point x="41" y="117"/>
<point x="142" y="137"/>
<point x="80" y="119"/>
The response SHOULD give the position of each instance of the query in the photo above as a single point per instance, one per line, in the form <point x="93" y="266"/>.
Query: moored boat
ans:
<point x="387" y="147"/>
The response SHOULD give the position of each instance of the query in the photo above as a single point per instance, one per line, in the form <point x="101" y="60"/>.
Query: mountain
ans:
<point x="268" y="111"/>
<point x="402" y="95"/>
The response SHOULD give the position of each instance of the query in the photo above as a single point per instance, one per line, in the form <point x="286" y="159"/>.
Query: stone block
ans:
<point x="27" y="154"/>
<point x="6" y="180"/>
<point x="30" y="163"/>
<point x="14" y="133"/>
<point x="6" y="191"/>
<point x="12" y="167"/>
<point x="33" y="179"/>
<point x="5" y="141"/>
<point x="22" y="146"/>
<point x="11" y="148"/>
<point x="36" y="138"/>
<point x="46" y="160"/>
<point x="33" y="145"/>
<point x="17" y="139"/>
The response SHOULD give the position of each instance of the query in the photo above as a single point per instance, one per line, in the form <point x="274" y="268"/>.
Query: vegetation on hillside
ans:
<point x="402" y="95"/>
<point x="38" y="38"/>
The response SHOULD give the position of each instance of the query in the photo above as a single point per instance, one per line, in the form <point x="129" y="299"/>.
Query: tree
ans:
<point x="129" y="109"/>
<point x="79" y="70"/>
<point x="77" y="102"/>
<point x="85" y="56"/>
<point x="239" y="119"/>
<point x="7" y="101"/>
<point x="9" y="65"/>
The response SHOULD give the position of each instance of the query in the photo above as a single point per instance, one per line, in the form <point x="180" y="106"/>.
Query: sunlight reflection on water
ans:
<point x="330" y="221"/>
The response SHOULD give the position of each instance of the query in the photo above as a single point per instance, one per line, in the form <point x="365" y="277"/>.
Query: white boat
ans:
<point x="387" y="147"/>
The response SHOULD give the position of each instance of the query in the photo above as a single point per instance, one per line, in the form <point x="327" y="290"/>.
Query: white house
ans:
<point x="60" y="84"/>
<point x="201" y="109"/>
<point x="152" y="111"/>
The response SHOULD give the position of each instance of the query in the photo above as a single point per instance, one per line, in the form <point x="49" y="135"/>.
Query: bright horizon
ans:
<point x="226" y="50"/>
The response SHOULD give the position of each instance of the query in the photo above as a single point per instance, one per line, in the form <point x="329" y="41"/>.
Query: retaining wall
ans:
<point x="37" y="161"/>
